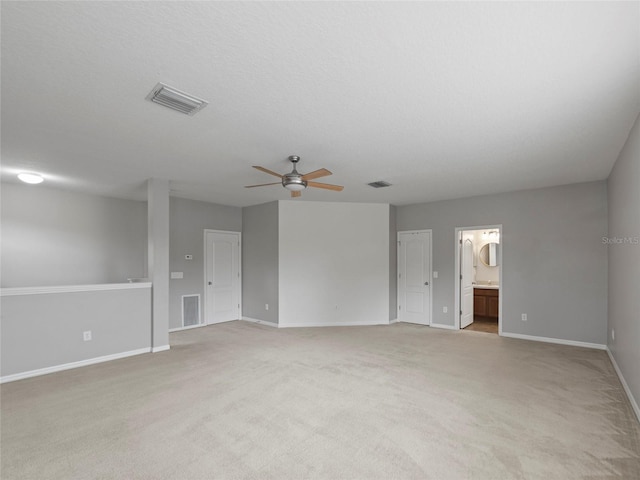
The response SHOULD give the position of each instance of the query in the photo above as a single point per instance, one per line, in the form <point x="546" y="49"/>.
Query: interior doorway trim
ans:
<point x="456" y="276"/>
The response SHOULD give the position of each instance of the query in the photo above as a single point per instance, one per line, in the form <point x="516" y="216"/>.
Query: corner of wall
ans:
<point x="623" y="255"/>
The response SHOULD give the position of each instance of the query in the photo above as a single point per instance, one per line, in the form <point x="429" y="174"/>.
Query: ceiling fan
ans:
<point x="296" y="182"/>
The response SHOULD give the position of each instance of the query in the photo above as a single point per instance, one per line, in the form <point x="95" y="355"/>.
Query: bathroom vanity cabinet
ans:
<point x="485" y="302"/>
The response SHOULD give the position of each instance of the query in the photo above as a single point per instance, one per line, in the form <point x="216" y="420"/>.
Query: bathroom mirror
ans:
<point x="489" y="254"/>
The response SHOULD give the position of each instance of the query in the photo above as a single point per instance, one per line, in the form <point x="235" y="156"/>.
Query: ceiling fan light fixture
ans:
<point x="294" y="187"/>
<point x="294" y="184"/>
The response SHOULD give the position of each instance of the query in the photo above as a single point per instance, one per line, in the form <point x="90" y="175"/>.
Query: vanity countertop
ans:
<point x="492" y="287"/>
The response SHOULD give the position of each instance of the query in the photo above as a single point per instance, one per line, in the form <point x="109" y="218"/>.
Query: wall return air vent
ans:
<point x="175" y="99"/>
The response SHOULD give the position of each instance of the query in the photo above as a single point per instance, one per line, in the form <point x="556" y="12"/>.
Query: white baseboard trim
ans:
<point x="178" y="329"/>
<point x="69" y="366"/>
<point x="559" y="341"/>
<point x="632" y="400"/>
<point x="446" y="327"/>
<point x="261" y="322"/>
<point x="161" y="348"/>
<point x="330" y="324"/>
<point x="395" y="320"/>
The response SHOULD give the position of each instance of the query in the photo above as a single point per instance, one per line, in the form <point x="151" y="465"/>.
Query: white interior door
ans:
<point x="222" y="276"/>
<point x="414" y="277"/>
<point x="466" y="279"/>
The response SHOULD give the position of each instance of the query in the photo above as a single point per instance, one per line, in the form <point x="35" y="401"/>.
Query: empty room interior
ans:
<point x="332" y="240"/>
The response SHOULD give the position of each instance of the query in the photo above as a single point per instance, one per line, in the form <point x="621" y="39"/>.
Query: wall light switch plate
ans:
<point x="435" y="274"/>
<point x="445" y="309"/>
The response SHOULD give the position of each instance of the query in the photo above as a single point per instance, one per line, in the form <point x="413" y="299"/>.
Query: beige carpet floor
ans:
<point x="244" y="401"/>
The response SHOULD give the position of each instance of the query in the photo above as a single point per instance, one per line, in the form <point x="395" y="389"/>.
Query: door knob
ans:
<point x="210" y="283"/>
<point x="426" y="283"/>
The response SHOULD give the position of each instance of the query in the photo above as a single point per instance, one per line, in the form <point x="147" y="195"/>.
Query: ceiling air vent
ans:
<point x="379" y="184"/>
<point x="176" y="100"/>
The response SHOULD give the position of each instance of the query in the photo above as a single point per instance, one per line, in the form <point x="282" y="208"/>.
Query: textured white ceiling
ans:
<point x="443" y="100"/>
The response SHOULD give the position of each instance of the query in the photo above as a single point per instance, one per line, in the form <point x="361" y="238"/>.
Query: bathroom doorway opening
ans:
<point x="478" y="265"/>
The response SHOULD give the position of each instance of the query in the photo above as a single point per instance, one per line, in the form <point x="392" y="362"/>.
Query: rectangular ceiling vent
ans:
<point x="379" y="184"/>
<point x="176" y="100"/>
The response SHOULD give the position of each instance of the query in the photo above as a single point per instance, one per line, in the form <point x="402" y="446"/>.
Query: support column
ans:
<point x="158" y="260"/>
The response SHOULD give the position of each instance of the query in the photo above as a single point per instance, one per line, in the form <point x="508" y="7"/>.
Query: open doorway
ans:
<point x="479" y="271"/>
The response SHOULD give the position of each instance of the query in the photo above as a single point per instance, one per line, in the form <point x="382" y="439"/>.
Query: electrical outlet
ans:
<point x="524" y="317"/>
<point x="445" y="309"/>
<point x="266" y="306"/>
<point x="86" y="335"/>
<point x="613" y="334"/>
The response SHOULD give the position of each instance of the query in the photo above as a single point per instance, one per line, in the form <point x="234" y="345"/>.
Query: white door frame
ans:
<point x="430" y="275"/>
<point x="456" y="275"/>
<point x="207" y="296"/>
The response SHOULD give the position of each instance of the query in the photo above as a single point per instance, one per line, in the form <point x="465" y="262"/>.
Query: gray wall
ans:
<point x="554" y="261"/>
<point x="46" y="330"/>
<point x="187" y="221"/>
<point x="55" y="237"/>
<point x="624" y="261"/>
<point x="333" y="267"/>
<point x="260" y="246"/>
<point x="393" y="264"/>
